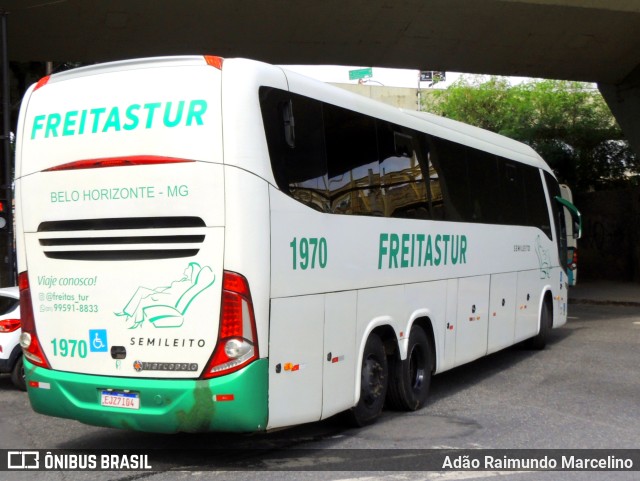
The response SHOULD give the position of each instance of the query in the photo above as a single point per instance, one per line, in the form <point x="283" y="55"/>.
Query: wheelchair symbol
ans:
<point x="98" y="340"/>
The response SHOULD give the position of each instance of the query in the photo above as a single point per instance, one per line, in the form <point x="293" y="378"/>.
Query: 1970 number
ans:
<point x="69" y="347"/>
<point x="309" y="252"/>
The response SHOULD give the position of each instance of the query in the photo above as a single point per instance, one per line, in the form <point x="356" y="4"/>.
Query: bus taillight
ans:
<point x="237" y="339"/>
<point x="574" y="261"/>
<point x="28" y="339"/>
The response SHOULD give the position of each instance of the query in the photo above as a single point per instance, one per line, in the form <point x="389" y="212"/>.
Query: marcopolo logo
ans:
<point x="182" y="113"/>
<point x="165" y="366"/>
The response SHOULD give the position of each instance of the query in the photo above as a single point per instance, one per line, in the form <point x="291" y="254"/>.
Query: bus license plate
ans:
<point x="118" y="399"/>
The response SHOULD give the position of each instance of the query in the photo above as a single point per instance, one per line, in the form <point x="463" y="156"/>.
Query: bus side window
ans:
<point x="289" y="123"/>
<point x="484" y="187"/>
<point x="451" y="164"/>
<point x="353" y="169"/>
<point x="270" y="100"/>
<point x="537" y="213"/>
<point x="296" y="147"/>
<point x="513" y="199"/>
<point x="436" y="199"/>
<point x="404" y="188"/>
<point x="431" y="176"/>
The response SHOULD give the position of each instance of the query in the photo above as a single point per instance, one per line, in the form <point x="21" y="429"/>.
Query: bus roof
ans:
<point x="131" y="64"/>
<point x="439" y="126"/>
<point x="482" y="135"/>
<point x="422" y="121"/>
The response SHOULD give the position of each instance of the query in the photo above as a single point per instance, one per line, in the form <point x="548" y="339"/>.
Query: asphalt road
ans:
<point x="582" y="392"/>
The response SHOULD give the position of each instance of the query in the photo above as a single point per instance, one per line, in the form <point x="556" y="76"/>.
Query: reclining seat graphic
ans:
<point x="165" y="307"/>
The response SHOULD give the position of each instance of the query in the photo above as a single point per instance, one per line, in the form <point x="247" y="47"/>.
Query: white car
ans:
<point x="10" y="351"/>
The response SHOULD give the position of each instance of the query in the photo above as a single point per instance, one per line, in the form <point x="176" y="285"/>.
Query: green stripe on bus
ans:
<point x="236" y="402"/>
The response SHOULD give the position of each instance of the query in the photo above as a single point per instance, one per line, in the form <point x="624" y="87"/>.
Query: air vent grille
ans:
<point x="125" y="239"/>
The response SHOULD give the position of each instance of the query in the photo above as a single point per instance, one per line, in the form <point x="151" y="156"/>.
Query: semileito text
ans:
<point x="166" y="342"/>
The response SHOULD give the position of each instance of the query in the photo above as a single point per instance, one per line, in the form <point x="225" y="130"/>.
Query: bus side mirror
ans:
<point x="576" y="217"/>
<point x="577" y="228"/>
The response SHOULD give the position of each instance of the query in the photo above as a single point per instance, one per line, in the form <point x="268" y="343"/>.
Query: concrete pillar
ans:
<point x="624" y="101"/>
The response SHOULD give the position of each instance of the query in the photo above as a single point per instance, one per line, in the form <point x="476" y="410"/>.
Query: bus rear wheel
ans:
<point x="373" y="384"/>
<point x="411" y="378"/>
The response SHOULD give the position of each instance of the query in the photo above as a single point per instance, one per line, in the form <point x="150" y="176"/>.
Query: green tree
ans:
<point x="567" y="123"/>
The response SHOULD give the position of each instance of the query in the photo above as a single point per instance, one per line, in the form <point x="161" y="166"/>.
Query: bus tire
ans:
<point x="539" y="341"/>
<point x="374" y="375"/>
<point x="411" y="378"/>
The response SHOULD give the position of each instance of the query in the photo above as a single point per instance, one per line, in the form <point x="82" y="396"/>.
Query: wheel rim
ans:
<point x="417" y="369"/>
<point x="372" y="381"/>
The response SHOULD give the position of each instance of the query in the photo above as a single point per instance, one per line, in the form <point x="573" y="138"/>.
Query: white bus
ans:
<point x="223" y="245"/>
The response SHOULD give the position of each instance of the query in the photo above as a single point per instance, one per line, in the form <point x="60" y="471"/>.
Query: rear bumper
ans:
<point x="166" y="405"/>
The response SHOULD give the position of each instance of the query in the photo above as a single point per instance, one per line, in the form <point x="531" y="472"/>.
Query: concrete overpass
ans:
<point x="589" y="40"/>
<point x="594" y="40"/>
